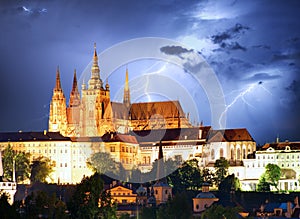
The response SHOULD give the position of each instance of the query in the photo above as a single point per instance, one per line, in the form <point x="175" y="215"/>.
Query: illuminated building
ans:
<point x="129" y="132"/>
<point x="204" y="199"/>
<point x="94" y="114"/>
<point x="68" y="157"/>
<point x="284" y="154"/>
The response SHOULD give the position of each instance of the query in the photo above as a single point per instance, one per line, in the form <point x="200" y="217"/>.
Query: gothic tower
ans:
<point x="73" y="111"/>
<point x="58" y="115"/>
<point x="95" y="104"/>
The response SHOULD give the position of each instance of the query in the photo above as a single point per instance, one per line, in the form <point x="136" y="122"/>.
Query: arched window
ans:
<point x="221" y="152"/>
<point x="244" y="153"/>
<point x="238" y="154"/>
<point x="102" y="106"/>
<point x="232" y="154"/>
<point x="212" y="154"/>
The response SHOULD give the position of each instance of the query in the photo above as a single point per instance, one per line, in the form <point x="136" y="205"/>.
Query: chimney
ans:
<point x="200" y="133"/>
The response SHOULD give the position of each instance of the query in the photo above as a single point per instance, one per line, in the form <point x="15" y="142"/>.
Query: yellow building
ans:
<point x="204" y="199"/>
<point x="68" y="158"/>
<point x="93" y="113"/>
<point x="122" y="195"/>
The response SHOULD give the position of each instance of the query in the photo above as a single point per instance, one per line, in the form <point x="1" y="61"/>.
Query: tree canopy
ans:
<point x="186" y="177"/>
<point x="21" y="161"/>
<point x="41" y="168"/>
<point x="221" y="166"/>
<point x="91" y="201"/>
<point x="271" y="176"/>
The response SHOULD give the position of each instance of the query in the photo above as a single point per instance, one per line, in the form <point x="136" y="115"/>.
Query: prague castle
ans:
<point x="91" y="122"/>
<point x="93" y="113"/>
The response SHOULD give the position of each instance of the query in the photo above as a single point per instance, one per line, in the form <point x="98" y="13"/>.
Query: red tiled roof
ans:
<point x="167" y="109"/>
<point x="229" y="135"/>
<point x="282" y="145"/>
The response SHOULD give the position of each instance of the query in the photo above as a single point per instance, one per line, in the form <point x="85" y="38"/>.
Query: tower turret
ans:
<point x="126" y="98"/>
<point x="58" y="114"/>
<point x="74" y="95"/>
<point x="95" y="81"/>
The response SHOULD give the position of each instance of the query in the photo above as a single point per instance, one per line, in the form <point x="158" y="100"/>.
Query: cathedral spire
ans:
<point x="160" y="163"/>
<point x="95" y="82"/>
<point x="74" y="96"/>
<point x="126" y="98"/>
<point x="58" y="84"/>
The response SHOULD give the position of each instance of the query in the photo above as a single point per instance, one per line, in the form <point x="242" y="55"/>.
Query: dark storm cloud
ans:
<point x="231" y="33"/>
<point x="230" y="46"/>
<point x="174" y="50"/>
<point x="295" y="88"/>
<point x="227" y="39"/>
<point x="260" y="77"/>
<point x="289" y="56"/>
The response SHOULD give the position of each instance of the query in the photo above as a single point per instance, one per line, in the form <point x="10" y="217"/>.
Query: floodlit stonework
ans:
<point x="94" y="114"/>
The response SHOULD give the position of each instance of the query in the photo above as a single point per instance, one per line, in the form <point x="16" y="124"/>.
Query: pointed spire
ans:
<point x="58" y="84"/>
<point x="95" y="81"/>
<point x="95" y="58"/>
<point x="126" y="98"/>
<point x="75" y="87"/>
<point x="74" y="96"/>
<point x="160" y="163"/>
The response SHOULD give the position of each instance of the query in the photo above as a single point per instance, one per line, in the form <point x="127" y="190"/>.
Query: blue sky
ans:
<point x="252" y="46"/>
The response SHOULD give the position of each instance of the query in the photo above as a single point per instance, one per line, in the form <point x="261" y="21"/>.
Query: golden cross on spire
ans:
<point x="94" y="45"/>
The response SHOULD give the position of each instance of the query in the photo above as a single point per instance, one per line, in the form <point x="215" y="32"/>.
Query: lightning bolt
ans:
<point x="239" y="96"/>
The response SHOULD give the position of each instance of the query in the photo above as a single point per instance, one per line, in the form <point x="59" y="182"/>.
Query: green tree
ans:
<point x="41" y="168"/>
<point x="91" y="201"/>
<point x="272" y="174"/>
<point x="148" y="213"/>
<point x="102" y="163"/>
<point x="41" y="205"/>
<point x="178" y="207"/>
<point x="221" y="166"/>
<point x="230" y="183"/>
<point x="186" y="177"/>
<point x="207" y="176"/>
<point x="263" y="185"/>
<point x="21" y="162"/>
<point x="220" y="212"/>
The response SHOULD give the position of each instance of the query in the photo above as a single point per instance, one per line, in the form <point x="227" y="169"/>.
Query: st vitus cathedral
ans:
<point x="93" y="113"/>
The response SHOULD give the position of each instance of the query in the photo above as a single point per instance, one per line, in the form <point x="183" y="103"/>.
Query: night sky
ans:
<point x="253" y="48"/>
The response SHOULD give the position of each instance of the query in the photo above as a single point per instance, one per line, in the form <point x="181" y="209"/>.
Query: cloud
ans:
<point x="174" y="50"/>
<point x="231" y="33"/>
<point x="224" y="39"/>
<point x="262" y="77"/>
<point x="294" y="87"/>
